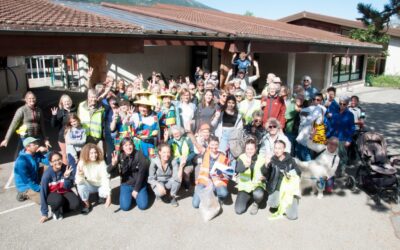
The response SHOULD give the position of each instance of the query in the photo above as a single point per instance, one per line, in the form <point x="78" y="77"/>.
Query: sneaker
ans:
<point x="58" y="215"/>
<point x="186" y="185"/>
<point x="85" y="210"/>
<point x="21" y="196"/>
<point x="174" y="202"/>
<point x="273" y="209"/>
<point x="254" y="209"/>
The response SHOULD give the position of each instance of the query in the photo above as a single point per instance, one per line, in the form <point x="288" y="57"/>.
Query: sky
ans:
<point x="277" y="9"/>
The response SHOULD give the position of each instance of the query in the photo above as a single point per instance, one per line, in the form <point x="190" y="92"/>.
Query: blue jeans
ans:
<point x="222" y="193"/>
<point x="224" y="139"/>
<point x="303" y="153"/>
<point x="125" y="197"/>
<point x="292" y="139"/>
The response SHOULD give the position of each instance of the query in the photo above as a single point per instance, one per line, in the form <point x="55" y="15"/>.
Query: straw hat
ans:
<point x="144" y="102"/>
<point x="166" y="94"/>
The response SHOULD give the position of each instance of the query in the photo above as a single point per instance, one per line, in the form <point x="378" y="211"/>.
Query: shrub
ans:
<point x="385" y="81"/>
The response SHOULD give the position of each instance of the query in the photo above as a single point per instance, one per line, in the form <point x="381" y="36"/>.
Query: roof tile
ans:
<point x="238" y="25"/>
<point x="47" y="16"/>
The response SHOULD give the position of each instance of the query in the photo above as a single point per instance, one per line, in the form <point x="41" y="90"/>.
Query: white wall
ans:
<point x="170" y="60"/>
<point x="312" y="65"/>
<point x="393" y="60"/>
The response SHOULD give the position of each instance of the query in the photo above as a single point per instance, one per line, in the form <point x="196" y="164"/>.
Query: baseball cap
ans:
<point x="28" y="141"/>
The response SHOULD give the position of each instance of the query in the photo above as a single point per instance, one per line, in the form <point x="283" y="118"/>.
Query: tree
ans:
<point x="248" y="13"/>
<point x="380" y="19"/>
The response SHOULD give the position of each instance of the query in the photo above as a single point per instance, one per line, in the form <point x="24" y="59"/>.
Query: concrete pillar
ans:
<point x="44" y="69"/>
<point x="98" y="62"/>
<point x="364" y="70"/>
<point x="83" y="67"/>
<point x="328" y="71"/>
<point x="30" y="66"/>
<point x="37" y="68"/>
<point x="291" y="70"/>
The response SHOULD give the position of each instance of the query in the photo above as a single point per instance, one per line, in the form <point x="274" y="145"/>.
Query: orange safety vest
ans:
<point x="204" y="175"/>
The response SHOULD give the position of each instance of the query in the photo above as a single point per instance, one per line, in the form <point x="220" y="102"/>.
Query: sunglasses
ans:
<point x="257" y="120"/>
<point x="317" y="99"/>
<point x="343" y="104"/>
<point x="272" y="126"/>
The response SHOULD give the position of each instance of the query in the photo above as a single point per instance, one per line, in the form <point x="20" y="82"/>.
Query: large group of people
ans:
<point x="162" y="135"/>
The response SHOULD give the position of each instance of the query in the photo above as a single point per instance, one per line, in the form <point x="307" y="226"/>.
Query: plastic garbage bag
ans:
<point x="209" y="205"/>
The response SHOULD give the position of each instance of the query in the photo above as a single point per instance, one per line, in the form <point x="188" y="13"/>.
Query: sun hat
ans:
<point x="144" y="102"/>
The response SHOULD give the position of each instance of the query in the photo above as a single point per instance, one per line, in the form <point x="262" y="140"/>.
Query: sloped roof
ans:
<point x="145" y="22"/>
<point x="241" y="26"/>
<point x="334" y="20"/>
<point x="43" y="15"/>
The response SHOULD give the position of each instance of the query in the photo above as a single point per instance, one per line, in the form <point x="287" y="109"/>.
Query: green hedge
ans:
<point x="385" y="81"/>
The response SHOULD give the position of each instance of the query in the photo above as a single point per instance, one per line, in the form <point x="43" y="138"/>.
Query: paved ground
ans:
<point x="345" y="220"/>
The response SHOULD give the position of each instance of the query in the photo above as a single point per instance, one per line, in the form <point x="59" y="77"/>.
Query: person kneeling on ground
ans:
<point x="132" y="166"/>
<point x="250" y="184"/>
<point x="55" y="191"/>
<point x="91" y="176"/>
<point x="321" y="171"/>
<point x="183" y="153"/>
<point x="210" y="173"/>
<point x="164" y="176"/>
<point x="283" y="183"/>
<point x="27" y="170"/>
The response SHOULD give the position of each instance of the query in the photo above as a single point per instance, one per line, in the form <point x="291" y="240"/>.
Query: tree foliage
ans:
<point x="379" y="19"/>
<point x="248" y="13"/>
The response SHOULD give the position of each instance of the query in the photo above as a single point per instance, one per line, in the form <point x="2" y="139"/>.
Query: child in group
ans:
<point x="120" y="125"/>
<point x="243" y="62"/>
<point x="75" y="139"/>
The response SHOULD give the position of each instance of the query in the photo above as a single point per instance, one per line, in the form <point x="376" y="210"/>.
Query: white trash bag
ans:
<point x="209" y="205"/>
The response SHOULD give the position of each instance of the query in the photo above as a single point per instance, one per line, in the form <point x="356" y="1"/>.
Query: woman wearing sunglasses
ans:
<point x="342" y="126"/>
<point x="255" y="128"/>
<point x="274" y="133"/>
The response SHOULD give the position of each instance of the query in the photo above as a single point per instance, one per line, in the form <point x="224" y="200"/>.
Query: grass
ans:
<point x="385" y="81"/>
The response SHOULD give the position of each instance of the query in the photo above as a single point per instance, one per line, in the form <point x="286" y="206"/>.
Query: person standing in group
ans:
<point x="168" y="115"/>
<point x="91" y="114"/>
<point x="30" y="120"/>
<point x="133" y="168"/>
<point x="205" y="110"/>
<point x="249" y="105"/>
<point x="55" y="191"/>
<point x="186" y="110"/>
<point x="342" y="126"/>
<point x="146" y="126"/>
<point x="59" y="118"/>
<point x="91" y="176"/>
<point x="75" y="139"/>
<point x="226" y="121"/>
<point x="309" y="90"/>
<point x="273" y="105"/>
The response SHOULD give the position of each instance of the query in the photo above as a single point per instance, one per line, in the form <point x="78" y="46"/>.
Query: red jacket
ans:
<point x="275" y="107"/>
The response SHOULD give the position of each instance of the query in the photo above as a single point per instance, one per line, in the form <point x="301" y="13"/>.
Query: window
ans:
<point x="347" y="68"/>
